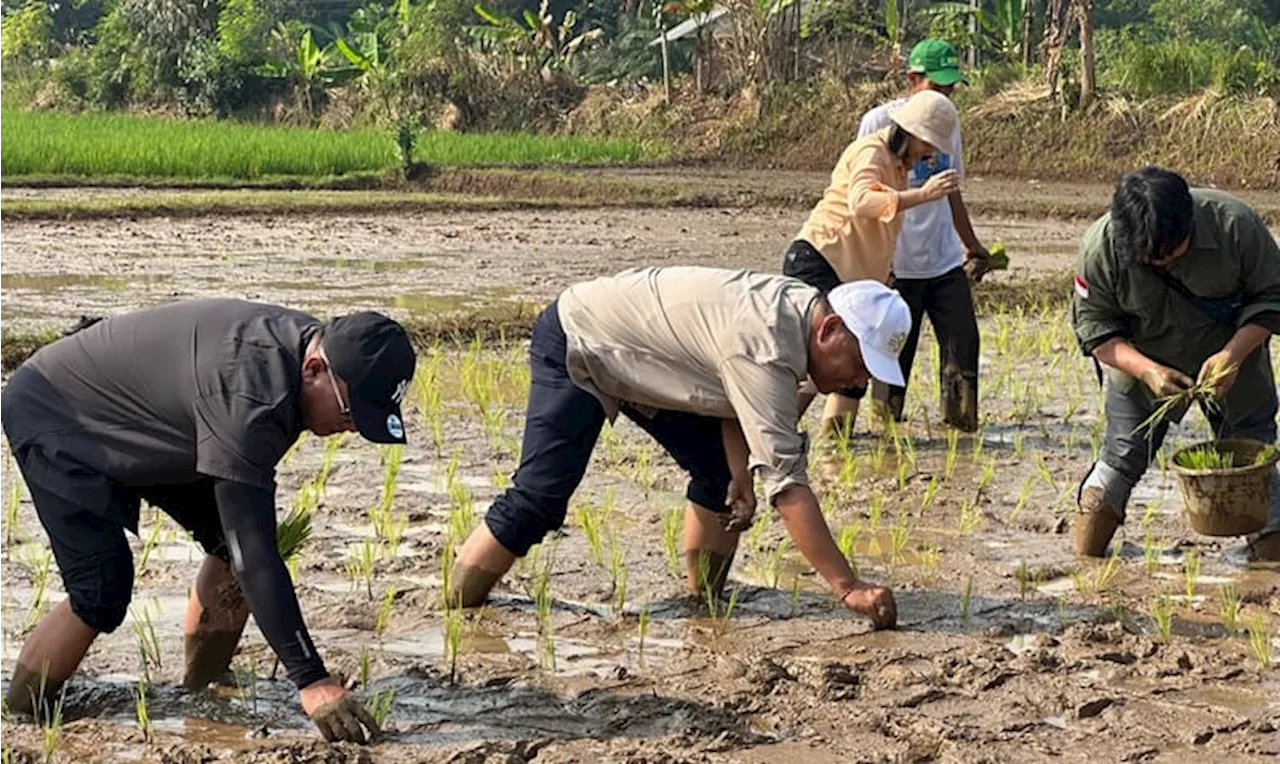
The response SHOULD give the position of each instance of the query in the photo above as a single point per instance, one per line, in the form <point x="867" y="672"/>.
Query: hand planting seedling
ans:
<point x="1203" y="392"/>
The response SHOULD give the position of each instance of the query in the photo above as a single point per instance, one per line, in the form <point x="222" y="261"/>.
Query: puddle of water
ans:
<point x="377" y="266"/>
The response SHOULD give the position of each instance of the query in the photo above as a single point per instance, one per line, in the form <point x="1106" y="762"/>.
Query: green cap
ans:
<point x="937" y="60"/>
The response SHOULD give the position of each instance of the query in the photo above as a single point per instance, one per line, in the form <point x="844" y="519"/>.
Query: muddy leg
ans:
<point x="482" y="562"/>
<point x="216" y="615"/>
<point x="49" y="657"/>
<point x="708" y="550"/>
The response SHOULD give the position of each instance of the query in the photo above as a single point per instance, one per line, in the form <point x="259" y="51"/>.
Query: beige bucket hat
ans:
<point x="929" y="116"/>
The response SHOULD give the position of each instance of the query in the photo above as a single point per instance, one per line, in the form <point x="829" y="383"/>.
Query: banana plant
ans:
<point x="310" y="68"/>
<point x="535" y="40"/>
<point x="1001" y="25"/>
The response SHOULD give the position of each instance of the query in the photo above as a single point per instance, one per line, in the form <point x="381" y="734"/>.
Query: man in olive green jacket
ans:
<point x="1172" y="286"/>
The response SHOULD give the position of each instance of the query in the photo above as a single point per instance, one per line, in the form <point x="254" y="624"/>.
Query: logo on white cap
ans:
<point x="880" y="319"/>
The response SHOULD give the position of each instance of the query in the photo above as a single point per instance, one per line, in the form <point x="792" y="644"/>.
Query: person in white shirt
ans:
<point x="936" y="254"/>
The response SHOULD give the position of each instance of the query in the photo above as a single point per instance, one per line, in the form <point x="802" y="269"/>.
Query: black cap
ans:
<point x="373" y="355"/>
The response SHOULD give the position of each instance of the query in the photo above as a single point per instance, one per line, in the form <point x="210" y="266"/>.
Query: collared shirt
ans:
<point x="1231" y="252"/>
<point x="928" y="245"/>
<point x="856" y="223"/>
<point x="721" y="343"/>
<point x="165" y="395"/>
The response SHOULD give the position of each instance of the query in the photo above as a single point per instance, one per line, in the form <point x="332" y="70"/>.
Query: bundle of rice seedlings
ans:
<point x="1203" y="392"/>
<point x="1205" y="458"/>
<point x="293" y="532"/>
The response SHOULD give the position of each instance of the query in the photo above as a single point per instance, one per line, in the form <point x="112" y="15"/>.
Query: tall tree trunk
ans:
<point x="1084" y="16"/>
<point x="666" y="66"/>
<point x="1057" y="28"/>
<point x="795" y="71"/>
<point x="973" y="34"/>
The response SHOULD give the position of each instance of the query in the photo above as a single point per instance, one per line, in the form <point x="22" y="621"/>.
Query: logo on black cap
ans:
<point x="373" y="355"/>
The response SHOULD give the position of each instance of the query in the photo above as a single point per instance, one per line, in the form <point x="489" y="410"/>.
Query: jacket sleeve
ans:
<point x="1260" y="272"/>
<point x="1096" y="315"/>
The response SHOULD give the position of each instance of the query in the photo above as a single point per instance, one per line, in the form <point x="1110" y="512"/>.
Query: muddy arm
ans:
<point x="807" y="528"/>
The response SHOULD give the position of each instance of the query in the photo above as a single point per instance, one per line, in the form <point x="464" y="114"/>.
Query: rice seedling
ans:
<point x="140" y="711"/>
<point x="847" y="541"/>
<point x="11" y="527"/>
<point x="40" y="563"/>
<point x="148" y="546"/>
<point x="592" y="522"/>
<point x="394" y="529"/>
<point x="144" y="631"/>
<point x="878" y="452"/>
<point x="386" y="608"/>
<point x="1024" y="580"/>
<point x="644" y="470"/>
<point x="462" y="511"/>
<point x="380" y="513"/>
<point x="1230" y="608"/>
<point x="618" y="573"/>
<point x="1260" y="640"/>
<point x="966" y="597"/>
<point x="1265" y="455"/>
<point x="1203" y="392"/>
<point x="1106" y="572"/>
<point x="776" y="558"/>
<point x="970" y="516"/>
<point x="380" y="706"/>
<point x="642" y="625"/>
<point x="1018" y="441"/>
<point x="930" y="493"/>
<point x="876" y="512"/>
<point x="899" y="538"/>
<point x="755" y="536"/>
<point x="1150" y="514"/>
<point x="673" y="527"/>
<point x="331" y="446"/>
<point x="1191" y="572"/>
<point x="364" y="666"/>
<point x="451" y="470"/>
<point x="903" y="473"/>
<point x="452" y="640"/>
<point x="501" y="478"/>
<point x="1043" y="472"/>
<point x="360" y="563"/>
<point x="979" y="442"/>
<point x="1024" y="496"/>
<point x="247" y="685"/>
<point x="50" y="719"/>
<point x="1150" y="553"/>
<point x="930" y="557"/>
<point x="293" y="449"/>
<point x="612" y="445"/>
<point x="987" y="477"/>
<point x="1162" y="616"/>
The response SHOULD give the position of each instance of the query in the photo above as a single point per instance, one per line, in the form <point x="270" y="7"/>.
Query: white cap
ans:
<point x="880" y="319"/>
<point x="929" y="116"/>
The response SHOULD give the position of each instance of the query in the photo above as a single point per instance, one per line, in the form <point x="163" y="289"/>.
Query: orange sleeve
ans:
<point x="869" y="195"/>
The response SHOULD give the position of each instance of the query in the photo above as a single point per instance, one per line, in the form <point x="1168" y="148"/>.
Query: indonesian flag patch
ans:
<point x="1082" y="287"/>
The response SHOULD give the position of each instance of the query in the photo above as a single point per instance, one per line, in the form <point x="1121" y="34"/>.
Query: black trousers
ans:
<point x="561" y="426"/>
<point x="802" y="261"/>
<point x="948" y="302"/>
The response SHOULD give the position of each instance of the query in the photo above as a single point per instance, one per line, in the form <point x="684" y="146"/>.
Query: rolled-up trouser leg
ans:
<point x="1104" y="494"/>
<point x="561" y="427"/>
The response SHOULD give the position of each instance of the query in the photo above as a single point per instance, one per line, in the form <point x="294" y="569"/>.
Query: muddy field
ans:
<point x="1008" y="649"/>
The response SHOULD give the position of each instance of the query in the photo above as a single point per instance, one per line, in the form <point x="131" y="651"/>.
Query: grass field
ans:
<point x="91" y="145"/>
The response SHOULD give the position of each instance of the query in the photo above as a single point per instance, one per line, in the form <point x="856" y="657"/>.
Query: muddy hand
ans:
<point x="1221" y="367"/>
<point x="741" y="499"/>
<point x="337" y="713"/>
<point x="875" y="602"/>
<point x="1166" y="382"/>
<point x="977" y="264"/>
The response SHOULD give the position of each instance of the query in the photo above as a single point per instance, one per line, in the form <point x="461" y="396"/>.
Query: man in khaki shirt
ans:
<point x="708" y="362"/>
